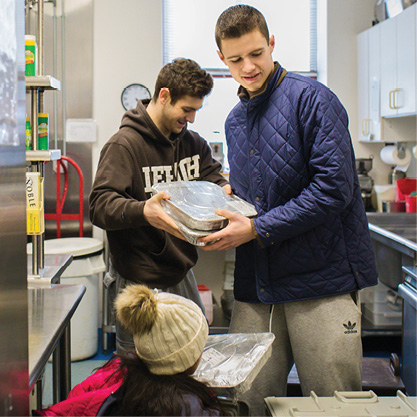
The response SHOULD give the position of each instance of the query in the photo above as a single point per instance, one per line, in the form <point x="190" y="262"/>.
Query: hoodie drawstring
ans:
<point x="176" y="158"/>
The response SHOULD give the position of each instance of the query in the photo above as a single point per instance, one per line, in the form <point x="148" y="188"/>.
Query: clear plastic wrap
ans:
<point x="192" y="203"/>
<point x="231" y="362"/>
<point x="190" y="234"/>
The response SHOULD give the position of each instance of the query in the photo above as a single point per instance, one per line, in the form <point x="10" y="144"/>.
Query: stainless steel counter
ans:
<point x="394" y="238"/>
<point x="397" y="230"/>
<point x="50" y="310"/>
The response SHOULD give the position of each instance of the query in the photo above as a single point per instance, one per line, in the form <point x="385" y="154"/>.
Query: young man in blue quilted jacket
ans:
<point x="301" y="262"/>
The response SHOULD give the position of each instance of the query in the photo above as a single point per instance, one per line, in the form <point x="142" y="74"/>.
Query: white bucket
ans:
<point x="85" y="269"/>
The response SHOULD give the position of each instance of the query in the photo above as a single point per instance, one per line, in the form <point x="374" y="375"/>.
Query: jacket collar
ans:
<point x="269" y="86"/>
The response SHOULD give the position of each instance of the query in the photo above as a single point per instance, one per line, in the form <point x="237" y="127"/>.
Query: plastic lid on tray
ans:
<point x="230" y="362"/>
<point x="193" y="204"/>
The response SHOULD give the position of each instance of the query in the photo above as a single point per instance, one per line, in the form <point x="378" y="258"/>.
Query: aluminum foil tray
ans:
<point x="193" y="204"/>
<point x="190" y="234"/>
<point x="231" y="362"/>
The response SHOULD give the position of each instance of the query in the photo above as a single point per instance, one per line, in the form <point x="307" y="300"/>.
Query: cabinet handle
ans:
<point x="394" y="95"/>
<point x="391" y="106"/>
<point x="365" y="126"/>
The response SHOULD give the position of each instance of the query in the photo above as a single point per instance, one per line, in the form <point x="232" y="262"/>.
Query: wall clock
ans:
<point x="132" y="94"/>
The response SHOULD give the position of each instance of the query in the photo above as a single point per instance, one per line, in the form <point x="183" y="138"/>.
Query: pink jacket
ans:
<point x="86" y="398"/>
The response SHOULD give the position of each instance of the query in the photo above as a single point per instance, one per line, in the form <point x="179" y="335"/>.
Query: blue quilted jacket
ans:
<point x="290" y="154"/>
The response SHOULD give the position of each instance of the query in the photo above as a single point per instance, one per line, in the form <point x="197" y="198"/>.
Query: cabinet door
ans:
<point x="375" y="82"/>
<point x="363" y="86"/>
<point x="405" y="97"/>
<point x="388" y="66"/>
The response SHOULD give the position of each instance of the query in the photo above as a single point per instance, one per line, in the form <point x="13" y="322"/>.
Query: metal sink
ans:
<point x="394" y="240"/>
<point x="392" y="219"/>
<point x="401" y="224"/>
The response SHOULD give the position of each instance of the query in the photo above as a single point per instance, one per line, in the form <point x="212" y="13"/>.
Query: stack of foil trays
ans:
<point x="192" y="205"/>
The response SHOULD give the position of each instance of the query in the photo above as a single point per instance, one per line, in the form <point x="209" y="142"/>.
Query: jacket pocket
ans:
<point x="299" y="255"/>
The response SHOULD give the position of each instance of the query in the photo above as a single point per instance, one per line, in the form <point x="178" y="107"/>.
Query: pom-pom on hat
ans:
<point x="169" y="331"/>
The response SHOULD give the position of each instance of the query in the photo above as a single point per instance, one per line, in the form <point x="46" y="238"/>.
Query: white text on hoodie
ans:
<point x="186" y="170"/>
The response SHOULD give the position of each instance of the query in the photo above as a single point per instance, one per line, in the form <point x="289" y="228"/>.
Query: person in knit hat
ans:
<point x="169" y="333"/>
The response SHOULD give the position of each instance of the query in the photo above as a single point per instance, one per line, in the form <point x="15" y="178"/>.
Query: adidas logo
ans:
<point x="350" y="328"/>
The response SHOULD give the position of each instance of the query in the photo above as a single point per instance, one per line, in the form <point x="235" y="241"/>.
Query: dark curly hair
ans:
<point x="145" y="394"/>
<point x="183" y="77"/>
<point x="239" y="20"/>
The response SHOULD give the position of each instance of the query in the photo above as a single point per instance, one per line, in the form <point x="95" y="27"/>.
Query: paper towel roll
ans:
<point x="415" y="152"/>
<point x="389" y="155"/>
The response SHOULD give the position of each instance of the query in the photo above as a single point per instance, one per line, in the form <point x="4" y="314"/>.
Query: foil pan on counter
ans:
<point x="192" y="203"/>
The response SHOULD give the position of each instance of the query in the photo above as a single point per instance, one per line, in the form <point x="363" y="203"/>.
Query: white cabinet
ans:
<point x="398" y="64"/>
<point x="369" y="75"/>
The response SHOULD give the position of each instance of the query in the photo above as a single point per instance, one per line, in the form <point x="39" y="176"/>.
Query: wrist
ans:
<point x="255" y="233"/>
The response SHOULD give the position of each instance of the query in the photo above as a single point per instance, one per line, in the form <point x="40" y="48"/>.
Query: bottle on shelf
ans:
<point x="43" y="131"/>
<point x="28" y="134"/>
<point x="31" y="52"/>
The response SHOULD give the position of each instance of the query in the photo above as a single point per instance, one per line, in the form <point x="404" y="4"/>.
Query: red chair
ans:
<point x="60" y="199"/>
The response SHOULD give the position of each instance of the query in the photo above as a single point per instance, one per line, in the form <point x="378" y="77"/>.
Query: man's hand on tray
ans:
<point x="157" y="217"/>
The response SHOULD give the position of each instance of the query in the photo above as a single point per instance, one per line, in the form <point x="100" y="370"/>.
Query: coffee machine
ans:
<point x="366" y="183"/>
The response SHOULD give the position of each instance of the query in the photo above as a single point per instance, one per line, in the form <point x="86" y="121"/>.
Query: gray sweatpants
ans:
<point x="186" y="288"/>
<point x="321" y="336"/>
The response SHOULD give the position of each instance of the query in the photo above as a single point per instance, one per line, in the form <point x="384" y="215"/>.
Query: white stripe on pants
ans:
<point x="322" y="336"/>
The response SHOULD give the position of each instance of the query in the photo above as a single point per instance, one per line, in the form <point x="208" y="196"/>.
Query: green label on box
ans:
<point x="43" y="131"/>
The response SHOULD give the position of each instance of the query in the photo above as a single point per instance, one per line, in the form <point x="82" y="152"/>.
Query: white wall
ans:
<point x="127" y="49"/>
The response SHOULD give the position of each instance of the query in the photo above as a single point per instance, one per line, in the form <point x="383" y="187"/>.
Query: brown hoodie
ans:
<point x="134" y="159"/>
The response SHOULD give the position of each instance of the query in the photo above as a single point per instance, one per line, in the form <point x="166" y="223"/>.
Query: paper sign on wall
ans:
<point x="81" y="130"/>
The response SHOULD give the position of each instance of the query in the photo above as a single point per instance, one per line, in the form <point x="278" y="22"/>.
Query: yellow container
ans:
<point x="35" y="219"/>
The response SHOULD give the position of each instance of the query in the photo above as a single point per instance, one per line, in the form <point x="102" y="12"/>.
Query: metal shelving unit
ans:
<point x="36" y="86"/>
<point x="43" y="155"/>
<point x="44" y="82"/>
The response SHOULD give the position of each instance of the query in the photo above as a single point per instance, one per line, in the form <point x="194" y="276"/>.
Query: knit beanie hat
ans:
<point x="169" y="331"/>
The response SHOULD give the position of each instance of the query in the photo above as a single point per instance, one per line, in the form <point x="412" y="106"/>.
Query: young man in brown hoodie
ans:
<point x="153" y="145"/>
